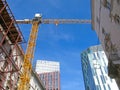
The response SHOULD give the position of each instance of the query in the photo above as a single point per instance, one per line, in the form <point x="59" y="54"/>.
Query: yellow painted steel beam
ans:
<point x="24" y="82"/>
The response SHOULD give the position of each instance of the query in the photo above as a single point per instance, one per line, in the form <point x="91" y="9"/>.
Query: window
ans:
<point x="94" y="56"/>
<point x="88" y="88"/>
<point x="104" y="61"/>
<point x="107" y="4"/>
<point x="98" y="55"/>
<point x="117" y="18"/>
<point x="98" y="20"/>
<point x="104" y="86"/>
<point x="98" y="80"/>
<point x="109" y="87"/>
<point x="106" y="71"/>
<point x="98" y="87"/>
<point x="103" y="31"/>
<point x="103" y="79"/>
<point x="118" y="1"/>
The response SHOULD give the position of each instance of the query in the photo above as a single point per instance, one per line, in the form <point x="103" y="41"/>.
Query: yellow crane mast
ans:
<point x="24" y="81"/>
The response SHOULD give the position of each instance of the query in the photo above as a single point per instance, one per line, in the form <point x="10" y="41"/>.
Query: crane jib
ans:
<point x="56" y="21"/>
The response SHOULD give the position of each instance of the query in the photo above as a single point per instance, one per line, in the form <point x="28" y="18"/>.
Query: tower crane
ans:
<point x="24" y="80"/>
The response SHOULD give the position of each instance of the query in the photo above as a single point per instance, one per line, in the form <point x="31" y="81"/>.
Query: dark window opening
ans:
<point x="98" y="21"/>
<point x="107" y="4"/>
<point x="118" y="1"/>
<point x="117" y="19"/>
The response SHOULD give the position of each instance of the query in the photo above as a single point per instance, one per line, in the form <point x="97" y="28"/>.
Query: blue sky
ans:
<point x="62" y="43"/>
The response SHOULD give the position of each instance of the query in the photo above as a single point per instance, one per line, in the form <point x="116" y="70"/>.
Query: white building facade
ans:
<point x="106" y="22"/>
<point x="35" y="82"/>
<point x="95" y="73"/>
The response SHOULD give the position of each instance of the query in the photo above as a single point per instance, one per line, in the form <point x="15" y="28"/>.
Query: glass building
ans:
<point x="94" y="66"/>
<point x="49" y="73"/>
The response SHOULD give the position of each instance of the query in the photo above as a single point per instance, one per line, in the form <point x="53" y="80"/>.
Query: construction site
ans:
<point x="16" y="71"/>
<point x="11" y="52"/>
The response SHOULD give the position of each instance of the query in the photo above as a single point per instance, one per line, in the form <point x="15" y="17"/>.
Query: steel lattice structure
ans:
<point x="10" y="50"/>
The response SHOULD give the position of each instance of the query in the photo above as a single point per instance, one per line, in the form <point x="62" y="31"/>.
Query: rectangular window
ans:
<point x="98" y="20"/>
<point x="109" y="87"/>
<point x="98" y="87"/>
<point x="101" y="69"/>
<point x="94" y="56"/>
<point x="104" y="61"/>
<point x="103" y="79"/>
<point x="106" y="71"/>
<point x="98" y="55"/>
<point x="98" y="80"/>
<point x="117" y="19"/>
<point x="104" y="87"/>
<point x="118" y="1"/>
<point x="107" y="4"/>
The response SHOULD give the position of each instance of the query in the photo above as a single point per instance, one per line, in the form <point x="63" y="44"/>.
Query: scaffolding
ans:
<point x="11" y="52"/>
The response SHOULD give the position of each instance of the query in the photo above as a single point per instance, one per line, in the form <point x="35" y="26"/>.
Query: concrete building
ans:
<point x="95" y="73"/>
<point x="49" y="73"/>
<point x="106" y="22"/>
<point x="11" y="52"/>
